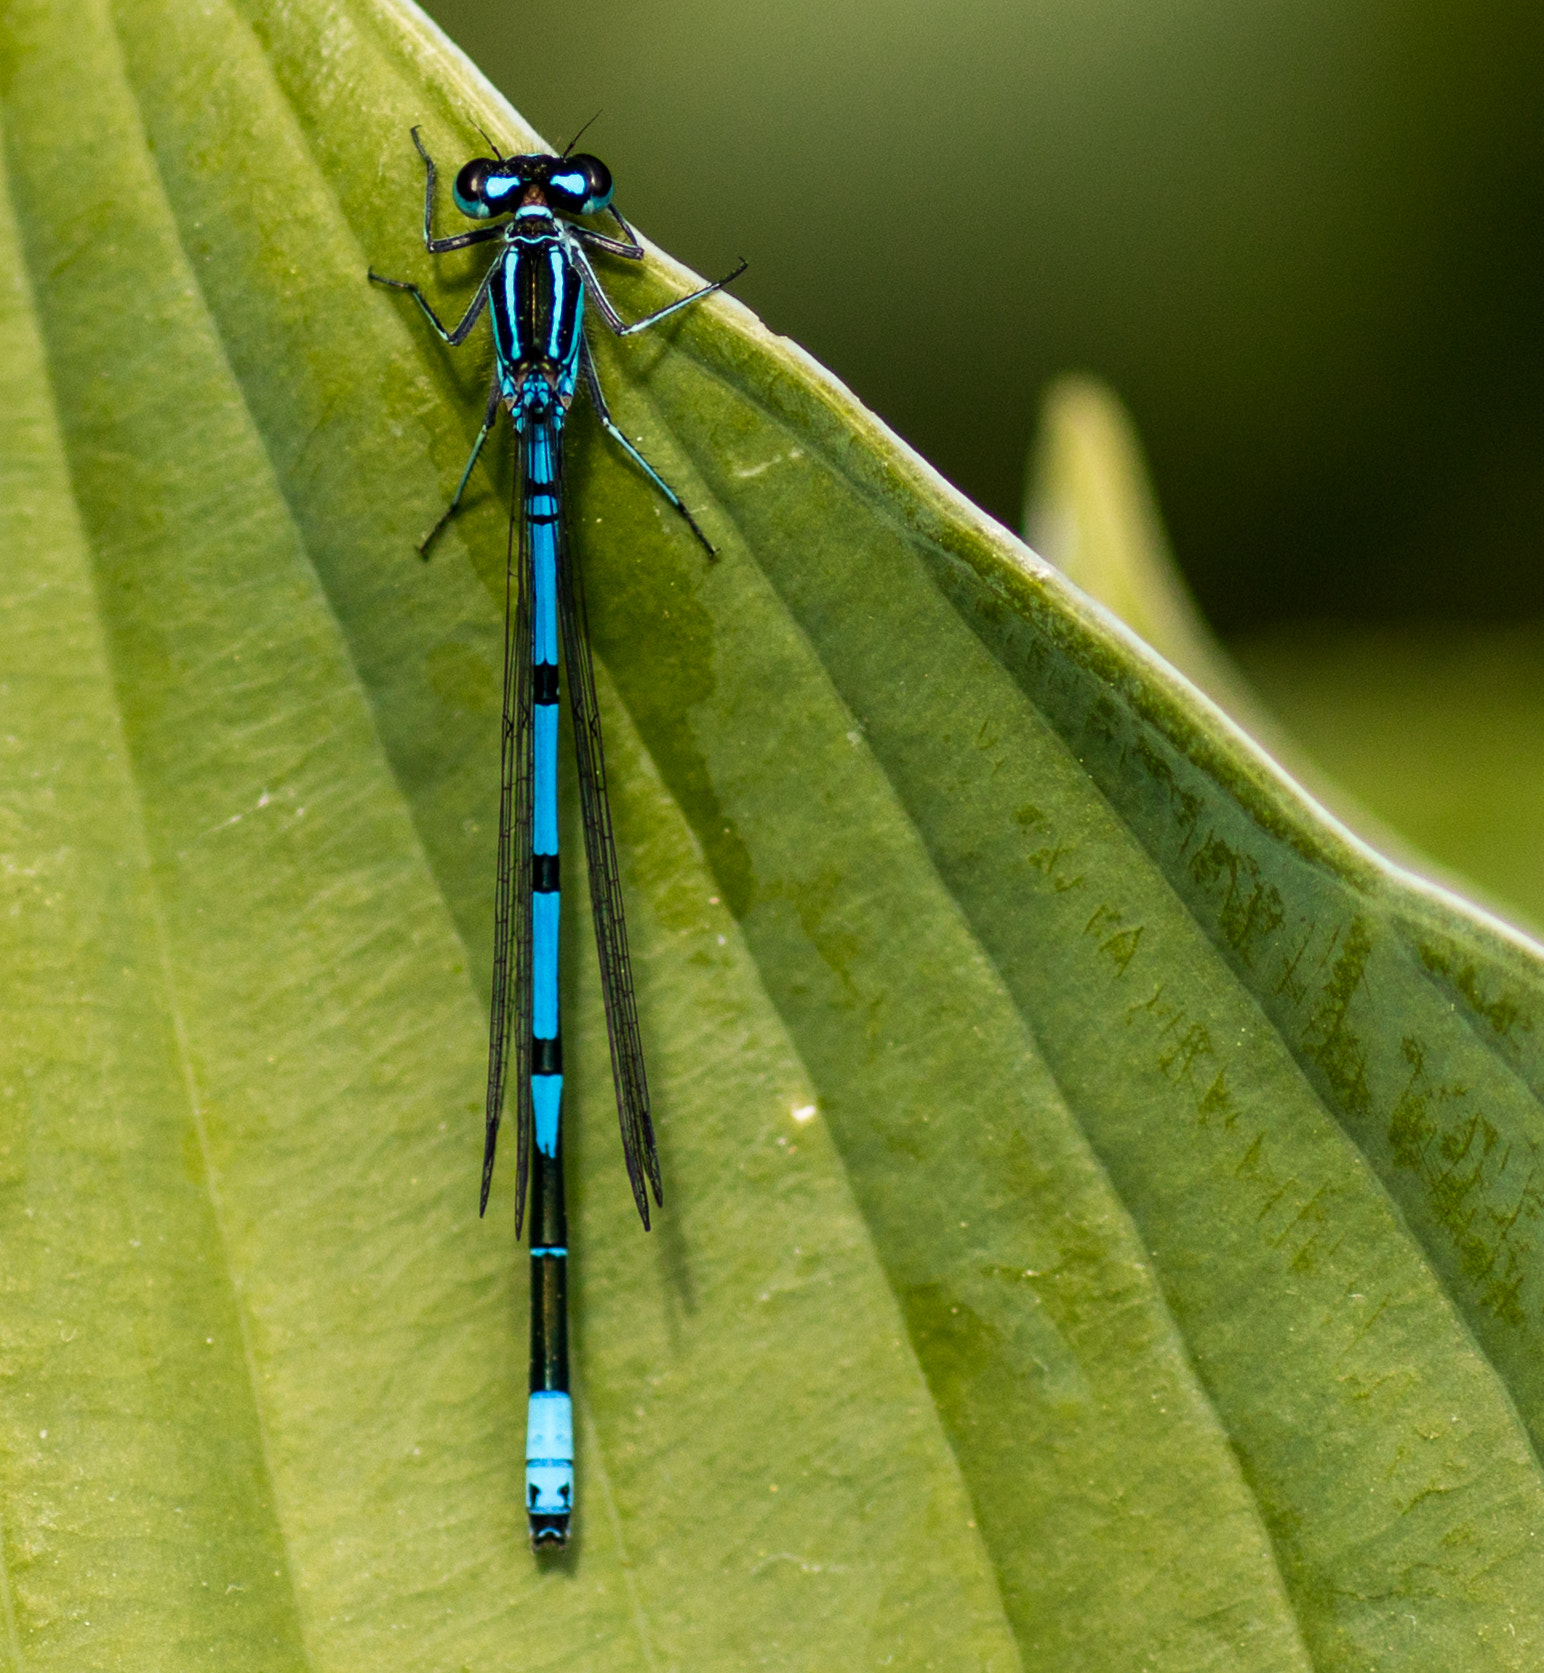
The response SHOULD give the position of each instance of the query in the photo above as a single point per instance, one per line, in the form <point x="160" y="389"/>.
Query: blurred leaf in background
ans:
<point x="1435" y="732"/>
<point x="1439" y="727"/>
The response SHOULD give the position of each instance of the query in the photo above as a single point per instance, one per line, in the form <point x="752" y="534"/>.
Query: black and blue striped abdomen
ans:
<point x="549" y="1450"/>
<point x="542" y="510"/>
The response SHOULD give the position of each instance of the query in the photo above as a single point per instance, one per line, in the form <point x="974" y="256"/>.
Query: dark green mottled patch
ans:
<point x="1485" y="1196"/>
<point x="1503" y="1009"/>
<point x="1329" y="1040"/>
<point x="1250" y="913"/>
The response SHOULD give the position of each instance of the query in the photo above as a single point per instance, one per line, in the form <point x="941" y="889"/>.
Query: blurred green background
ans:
<point x="1303" y="242"/>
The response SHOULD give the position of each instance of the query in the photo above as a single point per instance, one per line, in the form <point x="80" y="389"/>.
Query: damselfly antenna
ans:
<point x="498" y="155"/>
<point x="582" y="132"/>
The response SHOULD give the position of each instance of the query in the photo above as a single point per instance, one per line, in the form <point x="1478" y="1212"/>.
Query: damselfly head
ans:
<point x="575" y="185"/>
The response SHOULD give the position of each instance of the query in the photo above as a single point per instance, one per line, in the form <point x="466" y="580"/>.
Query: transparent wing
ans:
<point x="616" y="973"/>
<point x="510" y="1010"/>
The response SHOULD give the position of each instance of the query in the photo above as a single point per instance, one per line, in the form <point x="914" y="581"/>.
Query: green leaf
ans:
<point x="1155" y="1283"/>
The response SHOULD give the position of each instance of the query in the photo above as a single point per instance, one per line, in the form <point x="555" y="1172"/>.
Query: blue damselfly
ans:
<point x="534" y="291"/>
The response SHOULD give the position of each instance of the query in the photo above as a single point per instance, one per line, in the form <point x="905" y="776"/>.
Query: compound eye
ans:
<point x="470" y="189"/>
<point x="581" y="184"/>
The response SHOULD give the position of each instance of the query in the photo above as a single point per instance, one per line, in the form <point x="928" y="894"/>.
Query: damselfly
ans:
<point x="535" y="291"/>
